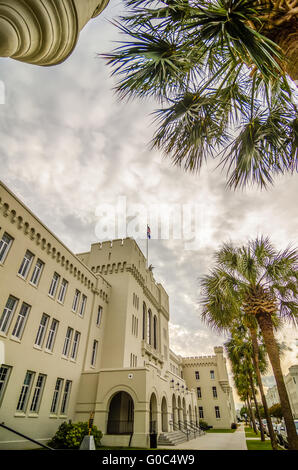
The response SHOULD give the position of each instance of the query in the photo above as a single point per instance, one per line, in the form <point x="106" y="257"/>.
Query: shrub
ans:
<point x="204" y="425"/>
<point x="70" y="435"/>
<point x="234" y="426"/>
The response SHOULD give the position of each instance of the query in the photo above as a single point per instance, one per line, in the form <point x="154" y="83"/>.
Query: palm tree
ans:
<point x="240" y="349"/>
<point x="223" y="71"/>
<point x="239" y="354"/>
<point x="245" y="394"/>
<point x="262" y="283"/>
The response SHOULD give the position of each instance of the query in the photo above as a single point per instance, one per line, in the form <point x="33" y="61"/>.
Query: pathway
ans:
<point x="216" y="441"/>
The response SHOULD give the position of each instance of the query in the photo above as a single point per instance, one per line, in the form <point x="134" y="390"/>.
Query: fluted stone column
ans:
<point x="44" y="32"/>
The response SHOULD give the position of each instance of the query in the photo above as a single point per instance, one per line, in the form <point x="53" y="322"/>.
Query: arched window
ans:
<point x="155" y="332"/>
<point x="149" y="334"/>
<point x="144" y="320"/>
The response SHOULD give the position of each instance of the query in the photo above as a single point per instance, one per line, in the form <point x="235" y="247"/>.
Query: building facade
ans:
<point x="44" y="33"/>
<point x="208" y="376"/>
<point x="88" y="333"/>
<point x="291" y="382"/>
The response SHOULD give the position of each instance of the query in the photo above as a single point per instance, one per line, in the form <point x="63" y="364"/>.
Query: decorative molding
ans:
<point x="52" y="251"/>
<point x="41" y="32"/>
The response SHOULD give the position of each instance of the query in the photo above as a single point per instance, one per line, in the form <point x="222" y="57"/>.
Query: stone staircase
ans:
<point x="171" y="438"/>
<point x="176" y="437"/>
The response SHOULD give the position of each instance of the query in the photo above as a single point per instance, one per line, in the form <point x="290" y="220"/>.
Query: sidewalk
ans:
<point x="216" y="441"/>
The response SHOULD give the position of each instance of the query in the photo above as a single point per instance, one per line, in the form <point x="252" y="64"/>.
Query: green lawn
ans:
<point x="259" y="445"/>
<point x="249" y="432"/>
<point x="221" y="430"/>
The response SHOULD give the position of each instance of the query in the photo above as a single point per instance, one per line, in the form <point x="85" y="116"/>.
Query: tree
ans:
<point x="262" y="283"/>
<point x="239" y="351"/>
<point x="276" y="411"/>
<point x="220" y="69"/>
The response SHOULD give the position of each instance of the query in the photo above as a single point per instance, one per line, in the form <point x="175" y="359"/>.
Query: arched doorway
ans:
<point x="121" y="414"/>
<point x="164" y="415"/>
<point x="153" y="414"/>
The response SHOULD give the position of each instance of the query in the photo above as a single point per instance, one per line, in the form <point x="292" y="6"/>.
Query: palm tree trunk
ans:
<point x="256" y="405"/>
<point x="255" y="357"/>
<point x="266" y="326"/>
<point x="252" y="417"/>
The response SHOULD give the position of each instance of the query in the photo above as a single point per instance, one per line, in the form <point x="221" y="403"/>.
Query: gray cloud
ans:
<point x="68" y="145"/>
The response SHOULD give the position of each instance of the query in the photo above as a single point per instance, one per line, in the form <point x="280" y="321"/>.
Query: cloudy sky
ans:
<point x="67" y="146"/>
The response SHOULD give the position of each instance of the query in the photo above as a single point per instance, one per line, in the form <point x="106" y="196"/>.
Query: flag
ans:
<point x="148" y="232"/>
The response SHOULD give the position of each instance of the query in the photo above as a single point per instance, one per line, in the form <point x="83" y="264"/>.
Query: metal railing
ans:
<point x="180" y="426"/>
<point x="196" y="428"/>
<point x="26" y="437"/>
<point x="119" y="427"/>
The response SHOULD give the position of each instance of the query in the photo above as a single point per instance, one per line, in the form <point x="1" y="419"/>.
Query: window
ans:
<point x="7" y="314"/>
<point x="4" y="377"/>
<point x="155" y="332"/>
<point x="201" y="412"/>
<point x="217" y="413"/>
<point x="5" y="244"/>
<point x="23" y="399"/>
<point x="67" y="341"/>
<point x="199" y="393"/>
<point x="197" y="375"/>
<point x="144" y="320"/>
<point x="149" y="326"/>
<point x="26" y="263"/>
<point x="52" y="335"/>
<point x="41" y="330"/>
<point x="98" y="318"/>
<point x="54" y="285"/>
<point x="212" y="374"/>
<point x="83" y="305"/>
<point x="214" y="391"/>
<point x="75" y="345"/>
<point x="94" y="352"/>
<point x="56" y="396"/>
<point x="62" y="291"/>
<point x="133" y="360"/>
<point x="38" y="393"/>
<point x="37" y="272"/>
<point x="21" y="321"/>
<point x="76" y="300"/>
<point x="65" y="397"/>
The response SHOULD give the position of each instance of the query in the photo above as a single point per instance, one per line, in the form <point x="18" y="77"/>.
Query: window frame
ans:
<point x="10" y="315"/>
<point x="57" y="396"/>
<point x="25" y="267"/>
<point x="63" y="289"/>
<point x="55" y="284"/>
<point x="76" y="301"/>
<point x="25" y="395"/>
<point x="94" y="353"/>
<point x="41" y="332"/>
<point x="37" y="393"/>
<point x="67" y="342"/>
<point x="39" y="273"/>
<point x="21" y="321"/>
<point x="65" y="397"/>
<point x="4" y="381"/>
<point x="4" y="253"/>
<point x="75" y="345"/>
<point x="53" y="336"/>
<point x="99" y="315"/>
